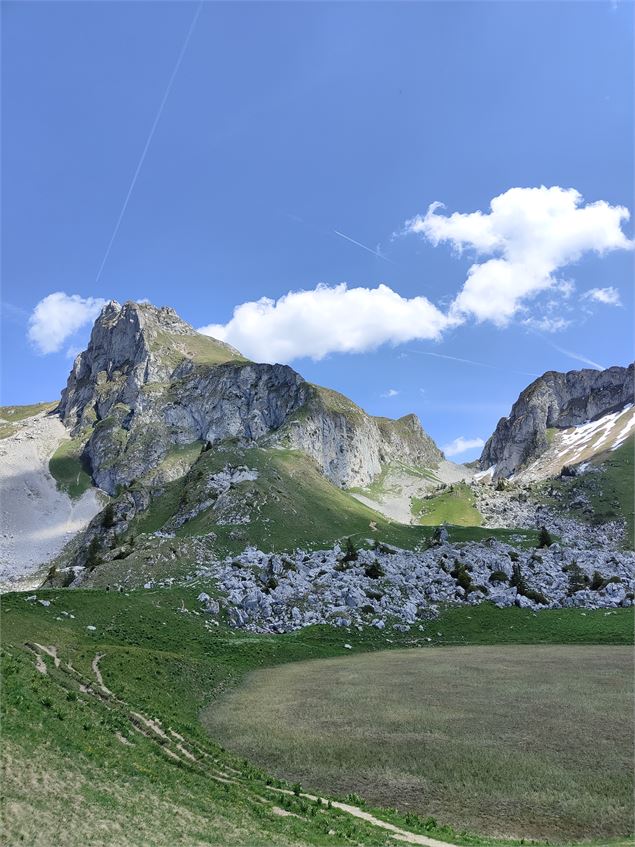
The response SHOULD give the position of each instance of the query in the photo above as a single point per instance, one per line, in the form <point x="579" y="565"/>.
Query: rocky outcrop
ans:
<point x="352" y="447"/>
<point x="148" y="384"/>
<point x="554" y="401"/>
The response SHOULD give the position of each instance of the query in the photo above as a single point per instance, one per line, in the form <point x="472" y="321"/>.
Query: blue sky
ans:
<point x="288" y="122"/>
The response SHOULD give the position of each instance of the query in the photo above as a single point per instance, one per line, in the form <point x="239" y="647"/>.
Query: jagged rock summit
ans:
<point x="554" y="401"/>
<point x="148" y="383"/>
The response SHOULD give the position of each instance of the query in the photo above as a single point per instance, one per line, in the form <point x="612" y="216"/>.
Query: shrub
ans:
<point x="374" y="570"/>
<point x="374" y="595"/>
<point x="498" y="576"/>
<point x="271" y="584"/>
<point x="350" y="551"/>
<point x="544" y="539"/>
<point x="460" y="573"/>
<point x="597" y="581"/>
<point x="108" y="517"/>
<point x="92" y="556"/>
<point x="578" y="580"/>
<point x="517" y="581"/>
<point x="536" y="596"/>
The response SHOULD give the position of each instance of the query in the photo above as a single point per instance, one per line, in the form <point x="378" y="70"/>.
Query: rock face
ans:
<point x="148" y="384"/>
<point x="554" y="400"/>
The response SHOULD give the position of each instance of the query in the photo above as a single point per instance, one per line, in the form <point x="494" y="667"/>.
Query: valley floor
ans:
<point x="103" y="744"/>
<point x="503" y="740"/>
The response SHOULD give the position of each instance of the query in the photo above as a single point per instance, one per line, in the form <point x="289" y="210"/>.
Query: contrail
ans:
<point x="576" y="356"/>
<point x="150" y="137"/>
<point x="364" y="247"/>
<point x="471" y="362"/>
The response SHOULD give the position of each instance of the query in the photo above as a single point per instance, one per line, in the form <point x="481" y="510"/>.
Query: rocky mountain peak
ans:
<point x="554" y="401"/>
<point x="148" y="384"/>
<point x="130" y="346"/>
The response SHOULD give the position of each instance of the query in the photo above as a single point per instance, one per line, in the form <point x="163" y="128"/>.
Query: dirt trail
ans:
<point x="36" y="519"/>
<point x="97" y="672"/>
<point x="356" y="812"/>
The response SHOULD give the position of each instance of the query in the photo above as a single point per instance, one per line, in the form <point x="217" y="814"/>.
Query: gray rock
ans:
<point x="149" y="382"/>
<point x="558" y="400"/>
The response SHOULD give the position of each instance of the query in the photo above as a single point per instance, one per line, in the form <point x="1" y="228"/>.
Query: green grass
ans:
<point x="455" y="506"/>
<point x="68" y="779"/>
<point x="20" y="413"/>
<point x="11" y="415"/>
<point x="523" y="740"/>
<point x="67" y="469"/>
<point x="201" y="349"/>
<point x="291" y="505"/>
<point x="609" y="489"/>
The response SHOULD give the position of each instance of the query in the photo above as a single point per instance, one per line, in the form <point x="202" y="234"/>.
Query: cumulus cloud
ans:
<point x="462" y="445"/>
<point x="610" y="296"/>
<point x="58" y="316"/>
<point x="527" y="236"/>
<point x="392" y="392"/>
<point x="327" y="320"/>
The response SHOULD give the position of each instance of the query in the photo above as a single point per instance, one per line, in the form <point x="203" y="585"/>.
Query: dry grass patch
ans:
<point x="509" y="741"/>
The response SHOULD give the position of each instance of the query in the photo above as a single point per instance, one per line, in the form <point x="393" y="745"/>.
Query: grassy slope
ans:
<point x="67" y="470"/>
<point x="291" y="505"/>
<point x="455" y="506"/>
<point x="432" y="731"/>
<point x="10" y="415"/>
<point x="64" y="762"/>
<point x="201" y="349"/>
<point x="610" y="489"/>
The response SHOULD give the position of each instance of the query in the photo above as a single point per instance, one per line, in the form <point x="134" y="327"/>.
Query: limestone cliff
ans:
<point x="148" y="383"/>
<point x="554" y="401"/>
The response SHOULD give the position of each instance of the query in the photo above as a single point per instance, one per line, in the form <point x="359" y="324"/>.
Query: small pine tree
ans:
<point x="350" y="551"/>
<point x="517" y="580"/>
<point x="578" y="580"/>
<point x="92" y="557"/>
<point x="544" y="539"/>
<point x="108" y="517"/>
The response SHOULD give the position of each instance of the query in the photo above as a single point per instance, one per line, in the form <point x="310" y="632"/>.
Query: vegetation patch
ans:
<point x="68" y="470"/>
<point x="12" y="415"/>
<point x="604" y="492"/>
<point x="290" y="506"/>
<point x="457" y="734"/>
<point x="454" y="506"/>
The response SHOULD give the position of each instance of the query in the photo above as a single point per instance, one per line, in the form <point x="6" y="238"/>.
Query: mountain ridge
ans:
<point x="554" y="401"/>
<point x="139" y="389"/>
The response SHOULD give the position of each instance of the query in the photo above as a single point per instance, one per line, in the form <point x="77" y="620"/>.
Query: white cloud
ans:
<point x="462" y="445"/>
<point x="610" y="296"/>
<point x="327" y="320"/>
<point x="529" y="234"/>
<point x="392" y="392"/>
<point x="547" y="324"/>
<point x="58" y="316"/>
